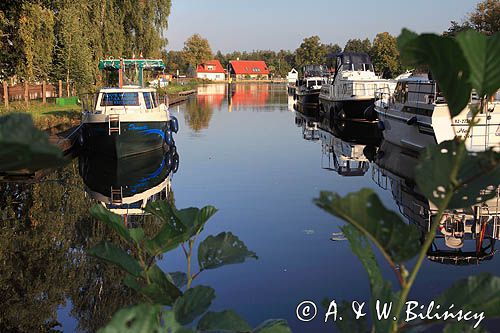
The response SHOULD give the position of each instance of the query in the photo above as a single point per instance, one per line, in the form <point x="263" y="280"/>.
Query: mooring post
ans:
<point x="5" y="94"/>
<point x="44" y="92"/>
<point x="60" y="89"/>
<point x="67" y="89"/>
<point x="26" y="92"/>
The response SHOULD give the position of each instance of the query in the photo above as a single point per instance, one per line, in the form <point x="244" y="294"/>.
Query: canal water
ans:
<point x="248" y="152"/>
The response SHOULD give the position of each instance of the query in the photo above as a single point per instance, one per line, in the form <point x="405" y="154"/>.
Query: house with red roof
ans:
<point x="211" y="70"/>
<point x="248" y="70"/>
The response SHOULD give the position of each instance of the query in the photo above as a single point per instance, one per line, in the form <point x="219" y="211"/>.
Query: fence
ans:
<point x="27" y="92"/>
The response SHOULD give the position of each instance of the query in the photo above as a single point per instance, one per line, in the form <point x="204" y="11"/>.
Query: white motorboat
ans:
<point x="416" y="115"/>
<point x="352" y="88"/>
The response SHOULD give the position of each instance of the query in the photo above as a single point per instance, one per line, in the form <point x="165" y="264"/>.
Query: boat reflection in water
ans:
<point x="465" y="236"/>
<point x="346" y="149"/>
<point x="126" y="185"/>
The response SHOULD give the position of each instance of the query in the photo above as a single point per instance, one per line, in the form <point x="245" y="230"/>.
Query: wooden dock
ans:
<point x="180" y="97"/>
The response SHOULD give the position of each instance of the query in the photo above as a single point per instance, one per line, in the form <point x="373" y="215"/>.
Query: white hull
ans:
<point x="418" y="131"/>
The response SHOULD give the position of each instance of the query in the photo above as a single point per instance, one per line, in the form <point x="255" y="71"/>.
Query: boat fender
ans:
<point x="175" y="165"/>
<point x="412" y="121"/>
<point x="381" y="125"/>
<point x="169" y="138"/>
<point x="174" y="124"/>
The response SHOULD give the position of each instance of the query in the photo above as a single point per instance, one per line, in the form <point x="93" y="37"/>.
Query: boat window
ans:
<point x="311" y="84"/>
<point x="319" y="83"/>
<point x="120" y="99"/>
<point x="155" y="99"/>
<point x="147" y="100"/>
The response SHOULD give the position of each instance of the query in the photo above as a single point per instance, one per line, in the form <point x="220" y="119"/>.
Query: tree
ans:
<point x="385" y="55"/>
<point x="486" y="17"/>
<point x="197" y="50"/>
<point x="456" y="28"/>
<point x="330" y="50"/>
<point x="358" y="45"/>
<point x="311" y="51"/>
<point x="36" y="38"/>
<point x="73" y="53"/>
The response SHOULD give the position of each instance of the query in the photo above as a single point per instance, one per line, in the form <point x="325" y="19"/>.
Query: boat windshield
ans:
<point x="120" y="99"/>
<point x="355" y="62"/>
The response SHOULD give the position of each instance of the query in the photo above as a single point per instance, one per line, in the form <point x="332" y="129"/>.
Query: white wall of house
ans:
<point x="292" y="76"/>
<point x="211" y="76"/>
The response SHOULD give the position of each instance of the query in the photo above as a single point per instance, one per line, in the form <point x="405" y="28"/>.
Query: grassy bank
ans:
<point x="47" y="116"/>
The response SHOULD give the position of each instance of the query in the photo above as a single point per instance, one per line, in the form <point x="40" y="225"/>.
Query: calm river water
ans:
<point x="261" y="164"/>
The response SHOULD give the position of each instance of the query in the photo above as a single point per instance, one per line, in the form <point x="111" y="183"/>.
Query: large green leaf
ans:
<point x="479" y="293"/>
<point x="115" y="255"/>
<point x="385" y="228"/>
<point x="477" y="177"/>
<point x="142" y="318"/>
<point x="483" y="56"/>
<point x="112" y="220"/>
<point x="223" y="249"/>
<point x="180" y="279"/>
<point x="381" y="289"/>
<point x="226" y="320"/>
<point x="446" y="61"/>
<point x="170" y="292"/>
<point x="23" y="146"/>
<point x="179" y="225"/>
<point x="193" y="303"/>
<point x="273" y="326"/>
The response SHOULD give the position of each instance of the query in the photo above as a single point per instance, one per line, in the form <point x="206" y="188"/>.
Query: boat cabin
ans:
<point x="354" y="61"/>
<point x="129" y="99"/>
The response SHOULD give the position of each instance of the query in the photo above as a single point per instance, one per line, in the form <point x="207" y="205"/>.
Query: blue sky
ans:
<point x="282" y="24"/>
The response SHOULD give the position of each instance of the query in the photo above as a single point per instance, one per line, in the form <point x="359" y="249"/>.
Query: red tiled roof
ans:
<point x="249" y="67"/>
<point x="203" y="68"/>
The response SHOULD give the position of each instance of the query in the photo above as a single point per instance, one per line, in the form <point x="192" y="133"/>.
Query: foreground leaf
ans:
<point x="23" y="146"/>
<point x="446" y="61"/>
<point x="112" y="220"/>
<point x="381" y="289"/>
<point x="483" y="56"/>
<point x="143" y="318"/>
<point x="168" y="292"/>
<point x="180" y="279"/>
<point x="476" y="180"/>
<point x="115" y="255"/>
<point x="273" y="326"/>
<point x="396" y="239"/>
<point x="193" y="303"/>
<point x="480" y="293"/>
<point x="226" y="320"/>
<point x="223" y="249"/>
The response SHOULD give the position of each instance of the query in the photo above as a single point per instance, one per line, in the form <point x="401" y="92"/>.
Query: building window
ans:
<point x="210" y="67"/>
<point x="256" y="69"/>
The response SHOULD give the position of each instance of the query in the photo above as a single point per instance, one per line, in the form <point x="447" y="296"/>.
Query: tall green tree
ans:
<point x="197" y="50"/>
<point x="74" y="59"/>
<point x="311" y="51"/>
<point x="486" y="17"/>
<point x="385" y="55"/>
<point x="330" y="50"/>
<point x="36" y="39"/>
<point x="358" y="45"/>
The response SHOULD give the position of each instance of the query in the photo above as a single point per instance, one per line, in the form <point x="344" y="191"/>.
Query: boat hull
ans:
<point x="348" y="109"/>
<point x="134" y="138"/>
<point x="310" y="98"/>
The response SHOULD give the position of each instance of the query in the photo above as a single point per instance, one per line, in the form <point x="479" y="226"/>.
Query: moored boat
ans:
<point x="416" y="115"/>
<point x="308" y="88"/>
<point x="352" y="88"/>
<point x="126" y="120"/>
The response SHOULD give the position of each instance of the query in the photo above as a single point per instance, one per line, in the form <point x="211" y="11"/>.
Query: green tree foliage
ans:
<point x="385" y="55"/>
<point x="330" y="50"/>
<point x="486" y="17"/>
<point x="197" y="50"/>
<point x="73" y="51"/>
<point x="65" y="39"/>
<point x="36" y="38"/>
<point x="311" y="51"/>
<point x="358" y="45"/>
